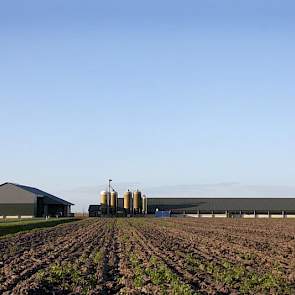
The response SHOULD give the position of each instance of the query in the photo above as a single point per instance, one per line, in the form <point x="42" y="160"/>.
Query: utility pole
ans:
<point x="109" y="198"/>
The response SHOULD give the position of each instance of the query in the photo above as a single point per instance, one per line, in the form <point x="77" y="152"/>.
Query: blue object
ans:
<point x="162" y="214"/>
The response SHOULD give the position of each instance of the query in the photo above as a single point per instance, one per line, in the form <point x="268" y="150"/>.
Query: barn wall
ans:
<point x="192" y="215"/>
<point x="248" y="215"/>
<point x="17" y="210"/>
<point x="215" y="215"/>
<point x="16" y="202"/>
<point x="262" y="216"/>
<point x="290" y="216"/>
<point x="246" y="205"/>
<point x="276" y="216"/>
<point x="10" y="194"/>
<point x="206" y="215"/>
<point x="220" y="215"/>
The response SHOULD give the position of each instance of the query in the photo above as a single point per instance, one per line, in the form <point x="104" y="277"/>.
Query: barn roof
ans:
<point x="51" y="198"/>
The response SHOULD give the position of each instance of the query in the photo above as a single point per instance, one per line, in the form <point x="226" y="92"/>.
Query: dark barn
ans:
<point x="225" y="207"/>
<point x="94" y="211"/>
<point x="24" y="201"/>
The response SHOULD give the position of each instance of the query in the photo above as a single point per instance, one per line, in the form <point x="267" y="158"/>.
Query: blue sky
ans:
<point x="154" y="94"/>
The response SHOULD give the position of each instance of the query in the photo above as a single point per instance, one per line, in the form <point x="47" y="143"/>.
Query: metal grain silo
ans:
<point x="144" y="204"/>
<point x="137" y="202"/>
<point x="104" y="201"/>
<point x="113" y="203"/>
<point x="127" y="201"/>
<point x="104" y="198"/>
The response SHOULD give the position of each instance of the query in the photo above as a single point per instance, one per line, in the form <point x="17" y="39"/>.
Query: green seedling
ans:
<point x="98" y="258"/>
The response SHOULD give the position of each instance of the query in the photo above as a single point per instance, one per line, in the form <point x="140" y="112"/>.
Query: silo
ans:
<point x="113" y="203"/>
<point x="104" y="201"/>
<point x="137" y="202"/>
<point x="127" y="201"/>
<point x="144" y="204"/>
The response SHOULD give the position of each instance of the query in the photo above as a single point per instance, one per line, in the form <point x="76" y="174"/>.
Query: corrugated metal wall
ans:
<point x="17" y="209"/>
<point x="16" y="202"/>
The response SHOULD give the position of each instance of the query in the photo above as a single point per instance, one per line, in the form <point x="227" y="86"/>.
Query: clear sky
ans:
<point x="154" y="93"/>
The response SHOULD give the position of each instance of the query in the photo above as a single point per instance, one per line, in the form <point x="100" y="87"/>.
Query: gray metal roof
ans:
<point x="222" y="204"/>
<point x="50" y="198"/>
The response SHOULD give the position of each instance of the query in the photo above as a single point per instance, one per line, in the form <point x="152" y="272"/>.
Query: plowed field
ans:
<point x="152" y="256"/>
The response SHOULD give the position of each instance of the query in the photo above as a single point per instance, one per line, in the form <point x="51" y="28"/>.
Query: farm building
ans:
<point x="94" y="210"/>
<point x="24" y="201"/>
<point x="225" y="207"/>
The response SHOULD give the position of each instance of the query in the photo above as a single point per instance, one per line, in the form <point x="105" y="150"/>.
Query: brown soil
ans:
<point x="152" y="256"/>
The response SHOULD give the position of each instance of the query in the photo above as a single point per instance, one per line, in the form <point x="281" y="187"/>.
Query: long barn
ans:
<point x="225" y="207"/>
<point x="21" y="201"/>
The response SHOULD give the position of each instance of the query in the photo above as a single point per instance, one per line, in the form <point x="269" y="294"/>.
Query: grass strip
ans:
<point x="15" y="227"/>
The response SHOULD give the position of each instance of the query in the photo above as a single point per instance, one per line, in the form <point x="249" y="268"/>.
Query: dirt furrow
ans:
<point x="24" y="266"/>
